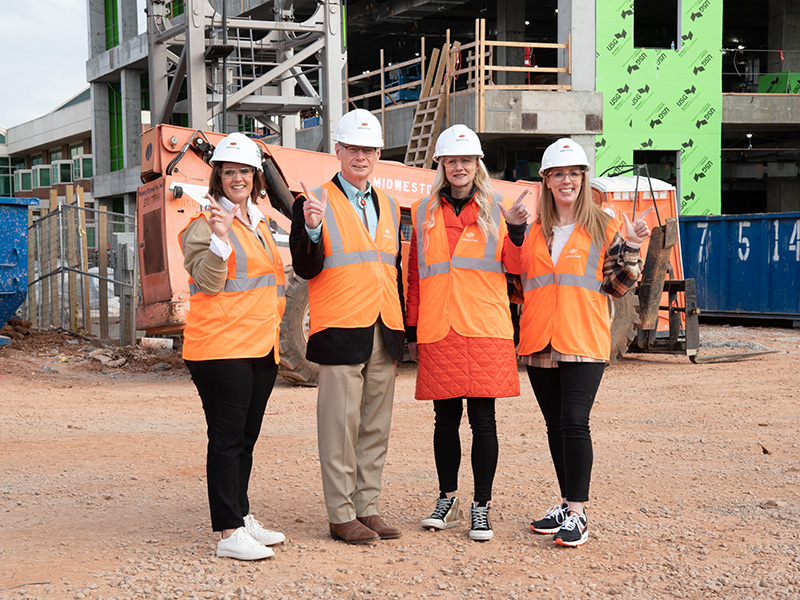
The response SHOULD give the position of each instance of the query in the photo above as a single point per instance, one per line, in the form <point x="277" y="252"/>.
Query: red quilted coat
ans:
<point x="459" y="366"/>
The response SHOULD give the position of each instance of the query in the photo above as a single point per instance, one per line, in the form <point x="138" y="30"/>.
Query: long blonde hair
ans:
<point x="483" y="198"/>
<point x="588" y="215"/>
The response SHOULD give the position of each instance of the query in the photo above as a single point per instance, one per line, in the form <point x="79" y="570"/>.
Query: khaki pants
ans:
<point x="354" y="415"/>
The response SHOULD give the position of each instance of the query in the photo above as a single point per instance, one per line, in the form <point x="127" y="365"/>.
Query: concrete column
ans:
<point x="101" y="136"/>
<point x="783" y="195"/>
<point x="131" y="88"/>
<point x="784" y="34"/>
<point x="334" y="56"/>
<point x="196" y="64"/>
<point x="157" y="66"/>
<point x="577" y="17"/>
<point x="587" y="143"/>
<point x="96" y="16"/>
<point x="128" y="27"/>
<point x="510" y="28"/>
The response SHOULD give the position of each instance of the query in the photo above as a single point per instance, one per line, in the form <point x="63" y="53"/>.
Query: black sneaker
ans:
<point x="573" y="532"/>
<point x="444" y="516"/>
<point x="481" y="529"/>
<point x="552" y="521"/>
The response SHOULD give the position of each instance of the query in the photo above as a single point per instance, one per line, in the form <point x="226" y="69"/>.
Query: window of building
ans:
<point x="36" y="159"/>
<point x="112" y="24"/>
<point x="115" y="126"/>
<point x="55" y="155"/>
<point x="75" y="150"/>
<point x="2" y="139"/>
<point x="656" y="24"/>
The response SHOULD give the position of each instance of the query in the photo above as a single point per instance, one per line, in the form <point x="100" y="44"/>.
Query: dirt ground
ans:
<point x="695" y="494"/>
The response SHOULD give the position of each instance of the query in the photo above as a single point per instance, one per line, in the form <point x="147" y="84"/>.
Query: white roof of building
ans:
<point x="629" y="184"/>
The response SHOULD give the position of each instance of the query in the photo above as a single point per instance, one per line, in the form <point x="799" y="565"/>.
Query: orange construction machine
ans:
<point x="175" y="174"/>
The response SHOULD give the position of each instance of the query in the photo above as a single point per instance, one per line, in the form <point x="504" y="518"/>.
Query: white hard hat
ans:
<point x="238" y="148"/>
<point x="563" y="153"/>
<point x="458" y="140"/>
<point x="359" y="127"/>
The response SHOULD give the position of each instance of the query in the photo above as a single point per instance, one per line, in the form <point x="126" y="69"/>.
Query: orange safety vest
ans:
<point x="243" y="320"/>
<point x="358" y="281"/>
<point x="467" y="292"/>
<point x="565" y="305"/>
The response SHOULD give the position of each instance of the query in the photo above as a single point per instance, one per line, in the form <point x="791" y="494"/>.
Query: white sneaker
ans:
<point x="445" y="515"/>
<point x="241" y="545"/>
<point x="261" y="535"/>
<point x="481" y="529"/>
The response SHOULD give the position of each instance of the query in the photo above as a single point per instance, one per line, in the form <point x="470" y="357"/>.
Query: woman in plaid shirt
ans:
<point x="579" y="255"/>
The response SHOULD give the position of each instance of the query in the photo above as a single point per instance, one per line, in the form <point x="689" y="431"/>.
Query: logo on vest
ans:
<point x="574" y="253"/>
<point x="469" y="237"/>
<point x="387" y="234"/>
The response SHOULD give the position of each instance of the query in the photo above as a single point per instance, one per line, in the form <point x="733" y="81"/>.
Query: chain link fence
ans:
<point x="82" y="271"/>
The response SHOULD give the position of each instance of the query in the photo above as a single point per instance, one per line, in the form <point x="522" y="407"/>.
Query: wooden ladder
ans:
<point x="432" y="100"/>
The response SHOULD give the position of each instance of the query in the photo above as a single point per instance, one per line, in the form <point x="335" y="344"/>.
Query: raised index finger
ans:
<point x="306" y="191"/>
<point x="518" y="201"/>
<point x="645" y="213"/>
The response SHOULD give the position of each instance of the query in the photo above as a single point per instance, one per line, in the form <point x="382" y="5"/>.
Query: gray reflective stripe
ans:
<point x="281" y="291"/>
<point x="422" y="268"/>
<point x="488" y="263"/>
<point x="241" y="256"/>
<point x="393" y="206"/>
<point x="531" y="283"/>
<point x="434" y="269"/>
<point x="340" y="258"/>
<point x="246" y="285"/>
<point x="586" y="281"/>
<point x="389" y="259"/>
<point x="241" y="282"/>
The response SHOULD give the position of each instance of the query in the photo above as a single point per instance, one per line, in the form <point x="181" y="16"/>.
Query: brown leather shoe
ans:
<point x="352" y="532"/>
<point x="377" y="525"/>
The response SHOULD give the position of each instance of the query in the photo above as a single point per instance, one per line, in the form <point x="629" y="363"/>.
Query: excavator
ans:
<point x="660" y="316"/>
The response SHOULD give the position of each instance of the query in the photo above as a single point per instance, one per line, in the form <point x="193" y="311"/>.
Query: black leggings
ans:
<point x="447" y="444"/>
<point x="234" y="394"/>
<point x="565" y="396"/>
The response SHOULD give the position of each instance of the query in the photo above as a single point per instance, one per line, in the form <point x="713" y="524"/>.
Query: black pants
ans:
<point x="234" y="394"/>
<point x="447" y="444"/>
<point x="565" y="396"/>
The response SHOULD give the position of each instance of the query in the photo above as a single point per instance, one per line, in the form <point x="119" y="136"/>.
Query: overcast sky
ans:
<point x="44" y="46"/>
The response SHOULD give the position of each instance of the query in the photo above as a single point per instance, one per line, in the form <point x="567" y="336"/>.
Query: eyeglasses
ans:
<point x="354" y="150"/>
<point x="558" y="176"/>
<point x="466" y="161"/>
<point x="243" y="172"/>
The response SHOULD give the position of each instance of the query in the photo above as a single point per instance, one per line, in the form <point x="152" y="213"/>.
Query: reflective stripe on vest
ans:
<point x="340" y="258"/>
<point x="241" y="282"/>
<point x="488" y="263"/>
<point x="587" y="280"/>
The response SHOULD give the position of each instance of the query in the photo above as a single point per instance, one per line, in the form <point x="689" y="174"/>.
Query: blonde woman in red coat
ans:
<point x="458" y="320"/>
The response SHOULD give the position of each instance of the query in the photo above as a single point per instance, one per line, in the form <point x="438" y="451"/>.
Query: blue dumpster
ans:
<point x="744" y="265"/>
<point x="13" y="256"/>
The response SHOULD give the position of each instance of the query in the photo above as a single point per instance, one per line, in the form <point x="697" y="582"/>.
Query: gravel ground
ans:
<point x="695" y="493"/>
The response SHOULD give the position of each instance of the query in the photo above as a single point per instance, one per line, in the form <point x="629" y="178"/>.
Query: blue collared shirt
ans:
<point x="354" y="195"/>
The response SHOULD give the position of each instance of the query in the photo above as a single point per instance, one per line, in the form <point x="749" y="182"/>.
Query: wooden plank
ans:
<point x="71" y="259"/>
<point x="55" y="279"/>
<point x="84" y="262"/>
<point x="102" y="264"/>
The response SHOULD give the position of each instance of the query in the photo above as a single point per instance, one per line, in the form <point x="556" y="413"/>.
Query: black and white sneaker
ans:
<point x="552" y="521"/>
<point x="481" y="529"/>
<point x="573" y="532"/>
<point x="445" y="515"/>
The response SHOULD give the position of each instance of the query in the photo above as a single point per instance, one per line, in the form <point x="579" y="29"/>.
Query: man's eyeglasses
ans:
<point x="466" y="161"/>
<point x="558" y="176"/>
<point x="243" y="172"/>
<point x="354" y="150"/>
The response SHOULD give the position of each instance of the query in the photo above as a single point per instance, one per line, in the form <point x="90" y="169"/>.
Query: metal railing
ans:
<point x="80" y="285"/>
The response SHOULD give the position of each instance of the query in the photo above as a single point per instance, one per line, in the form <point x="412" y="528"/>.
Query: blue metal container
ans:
<point x="13" y="255"/>
<point x="744" y="265"/>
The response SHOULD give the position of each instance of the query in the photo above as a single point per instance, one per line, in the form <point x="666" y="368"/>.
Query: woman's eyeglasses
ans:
<point x="354" y="150"/>
<point x="558" y="176"/>
<point x="243" y="172"/>
<point x="466" y="161"/>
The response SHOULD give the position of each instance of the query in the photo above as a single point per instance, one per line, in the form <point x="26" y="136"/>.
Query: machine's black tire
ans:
<point x="624" y="313"/>
<point x="294" y="367"/>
